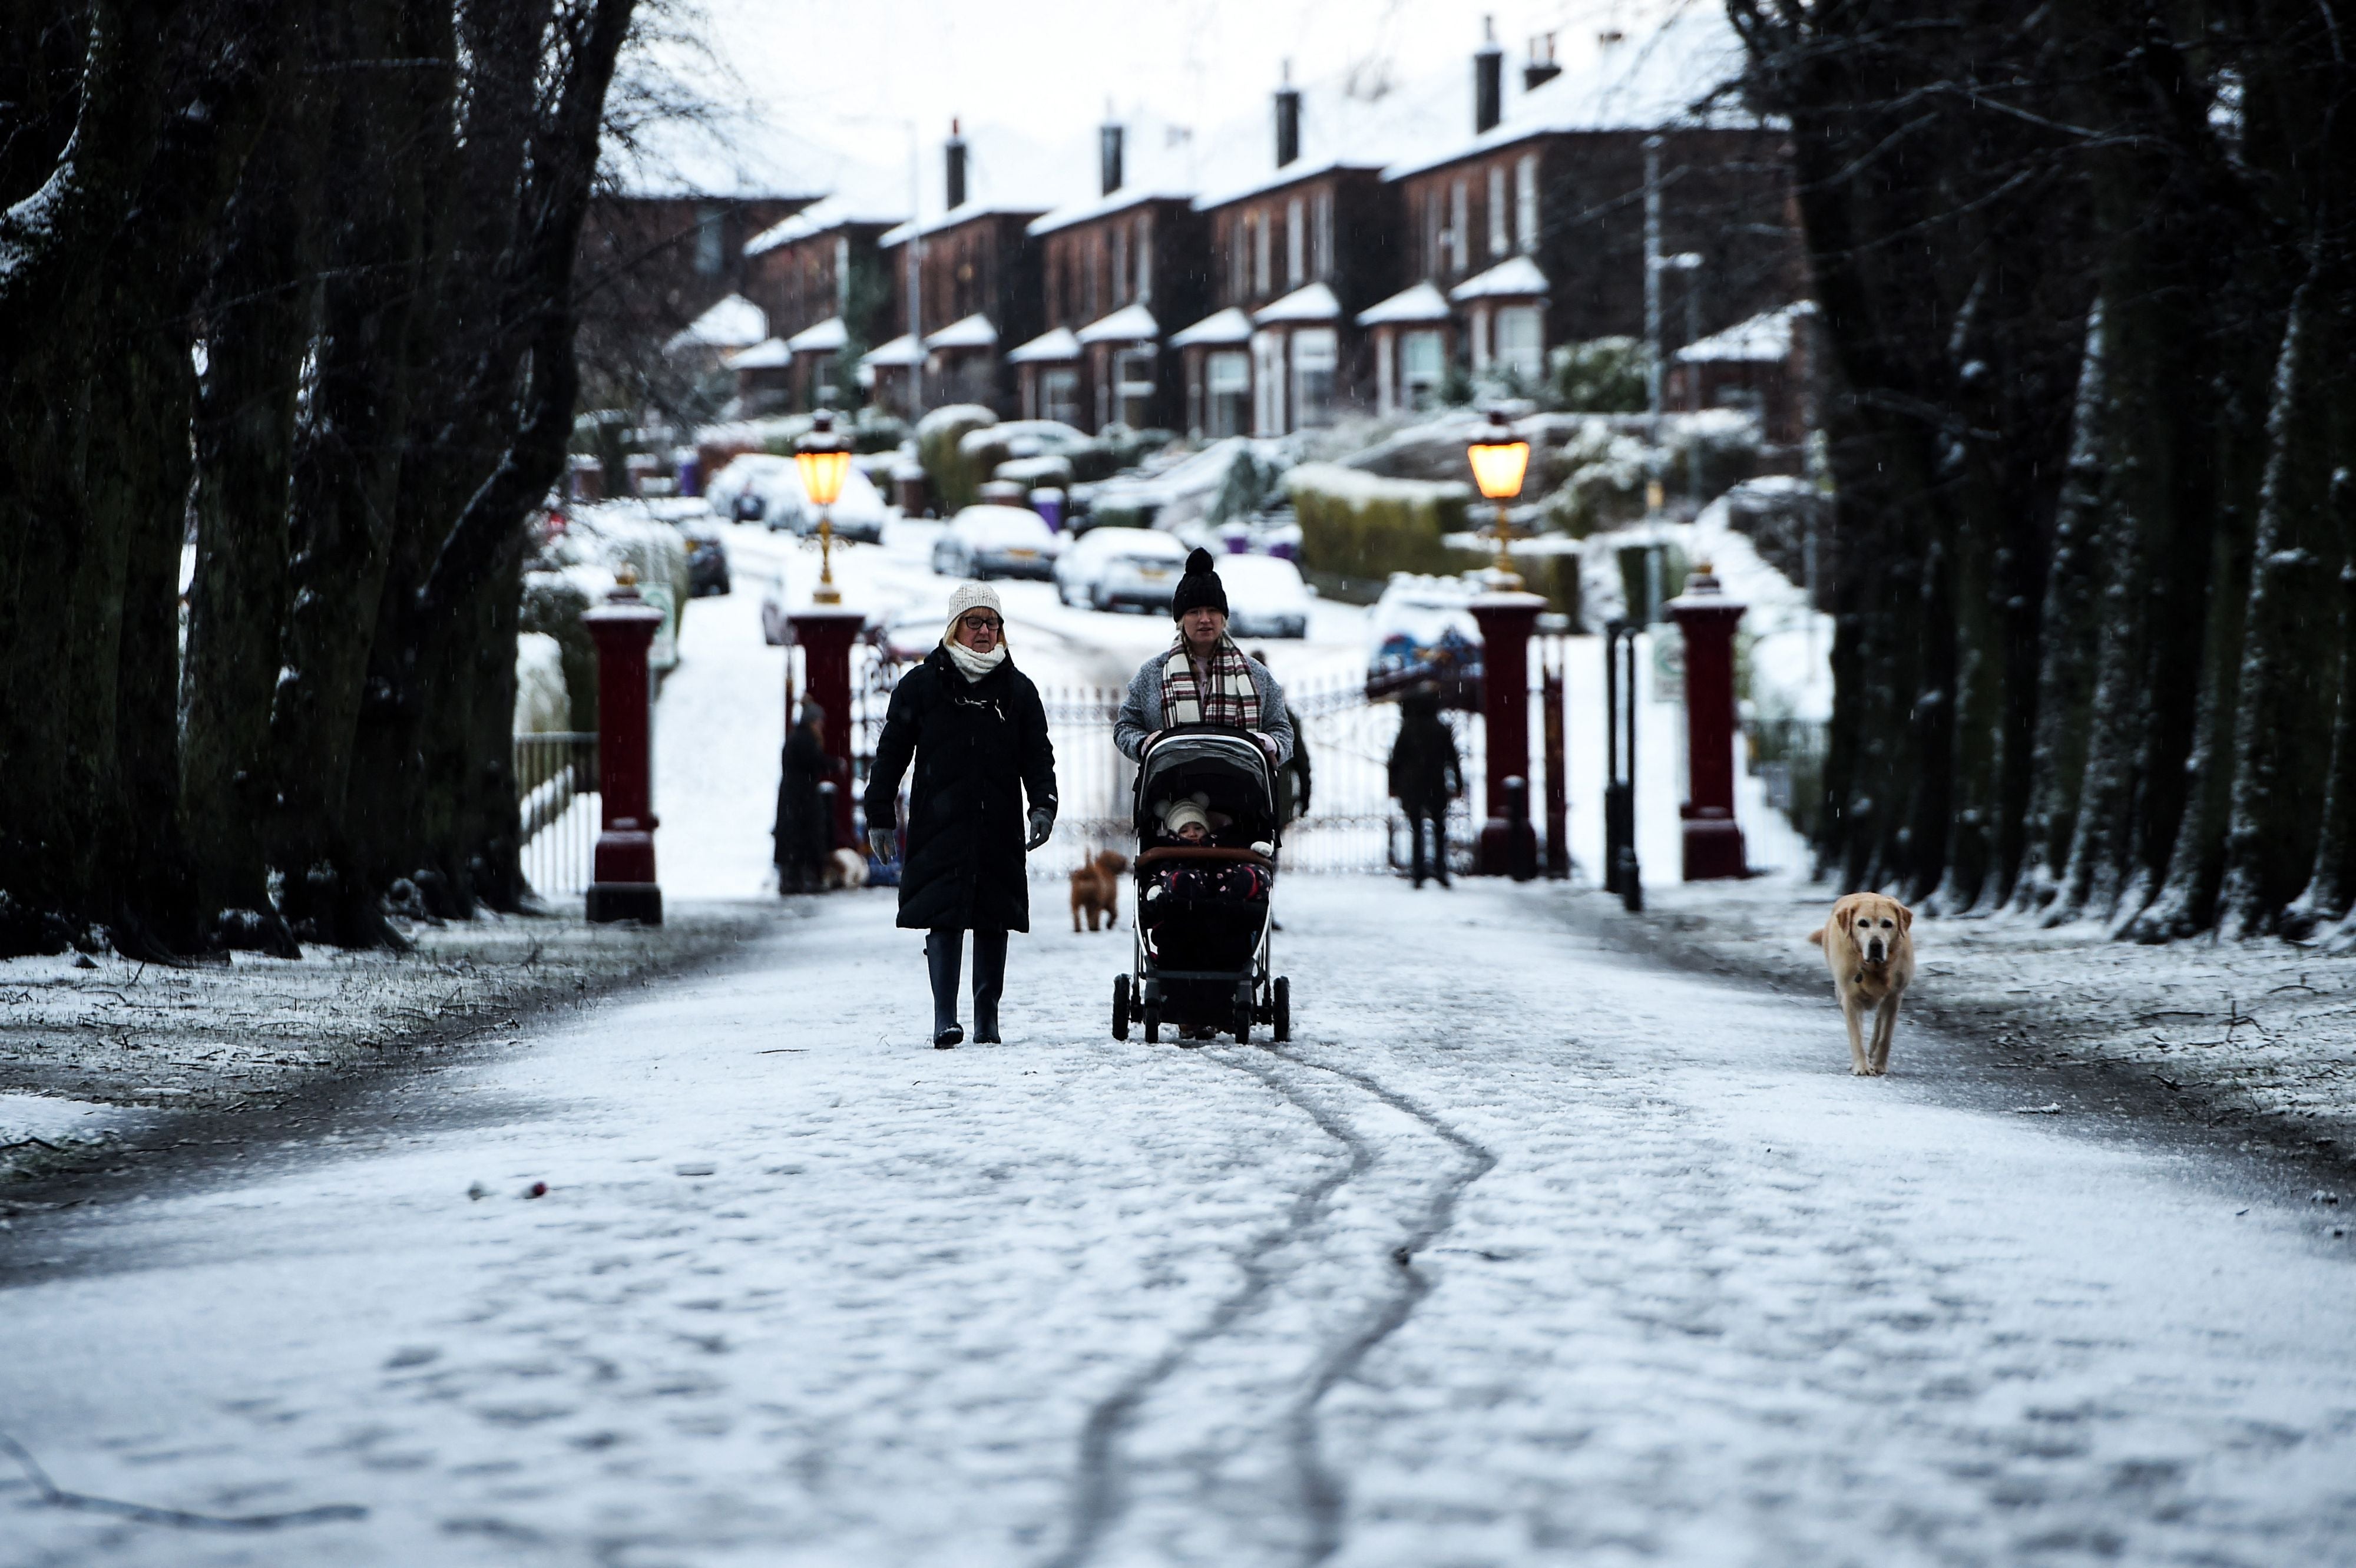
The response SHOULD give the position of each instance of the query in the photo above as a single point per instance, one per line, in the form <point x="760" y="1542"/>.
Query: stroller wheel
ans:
<point x="1120" y="1007"/>
<point x="1244" y="1016"/>
<point x="1281" y="1025"/>
<point x="1152" y="1025"/>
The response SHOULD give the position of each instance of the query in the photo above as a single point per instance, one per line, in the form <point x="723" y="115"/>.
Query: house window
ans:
<point x="1422" y="364"/>
<point x="1238" y="267"/>
<point x="1260" y="238"/>
<point x="1093" y="264"/>
<point x="1226" y="379"/>
<point x="1144" y="247"/>
<point x="1120" y="266"/>
<point x="1498" y="242"/>
<point x="1267" y="383"/>
<point x="1525" y="203"/>
<point x="1133" y="374"/>
<point x="1460" y="224"/>
<point x="1059" y="394"/>
<point x="1320" y="235"/>
<point x="1296" y="245"/>
<point x="1315" y="355"/>
<point x="711" y="241"/>
<point x="1521" y="341"/>
<point x="1435" y="256"/>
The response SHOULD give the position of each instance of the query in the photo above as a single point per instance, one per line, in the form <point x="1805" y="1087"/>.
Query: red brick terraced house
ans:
<point x="1531" y="233"/>
<point x="822" y="276"/>
<point x="1118" y="271"/>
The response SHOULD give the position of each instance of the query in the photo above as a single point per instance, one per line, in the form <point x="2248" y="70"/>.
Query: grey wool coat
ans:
<point x="1141" y="715"/>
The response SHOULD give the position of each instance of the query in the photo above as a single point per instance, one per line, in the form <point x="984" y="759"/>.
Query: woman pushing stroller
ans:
<point x="1203" y="678"/>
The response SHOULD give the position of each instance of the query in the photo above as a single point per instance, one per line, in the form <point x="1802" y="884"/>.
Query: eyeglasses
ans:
<point x="978" y="622"/>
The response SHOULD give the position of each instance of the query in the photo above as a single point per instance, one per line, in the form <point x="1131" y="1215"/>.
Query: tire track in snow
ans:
<point x="1099" y="1487"/>
<point x="1321" y="1257"/>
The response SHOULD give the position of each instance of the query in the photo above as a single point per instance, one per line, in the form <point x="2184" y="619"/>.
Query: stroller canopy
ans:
<point x="1226" y="764"/>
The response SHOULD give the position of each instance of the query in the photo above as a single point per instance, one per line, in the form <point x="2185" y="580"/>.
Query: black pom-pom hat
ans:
<point x="1199" y="588"/>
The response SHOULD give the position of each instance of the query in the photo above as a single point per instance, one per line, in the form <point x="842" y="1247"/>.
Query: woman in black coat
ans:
<point x="975" y="728"/>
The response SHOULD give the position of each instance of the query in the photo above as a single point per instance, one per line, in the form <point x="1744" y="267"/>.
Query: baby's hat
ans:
<point x="1187" y="809"/>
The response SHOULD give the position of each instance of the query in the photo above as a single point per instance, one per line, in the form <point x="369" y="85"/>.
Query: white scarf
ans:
<point x="971" y="665"/>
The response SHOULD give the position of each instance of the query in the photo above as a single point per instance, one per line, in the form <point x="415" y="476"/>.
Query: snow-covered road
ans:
<point x="1525" y="1253"/>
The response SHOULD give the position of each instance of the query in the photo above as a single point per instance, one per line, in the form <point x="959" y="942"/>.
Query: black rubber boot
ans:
<point x="989" y="983"/>
<point x="943" y="949"/>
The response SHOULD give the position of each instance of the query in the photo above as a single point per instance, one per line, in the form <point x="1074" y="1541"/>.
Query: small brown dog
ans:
<point x="845" y="868"/>
<point x="1867" y="948"/>
<point x="1095" y="887"/>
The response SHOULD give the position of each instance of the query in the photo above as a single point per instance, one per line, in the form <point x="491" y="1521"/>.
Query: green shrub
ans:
<point x="1602" y="375"/>
<point x="940" y="439"/>
<point x="553" y="605"/>
<point x="1355" y="524"/>
<point x="877" y="431"/>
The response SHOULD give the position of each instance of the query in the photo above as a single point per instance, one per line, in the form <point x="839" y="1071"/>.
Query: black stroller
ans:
<point x="1201" y="932"/>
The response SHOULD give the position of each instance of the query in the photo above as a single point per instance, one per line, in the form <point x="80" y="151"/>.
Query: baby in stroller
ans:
<point x="1189" y="822"/>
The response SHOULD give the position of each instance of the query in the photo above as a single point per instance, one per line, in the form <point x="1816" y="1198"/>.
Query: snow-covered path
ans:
<point x="1524" y="1253"/>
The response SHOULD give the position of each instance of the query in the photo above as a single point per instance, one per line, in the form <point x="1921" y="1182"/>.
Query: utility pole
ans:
<point x="1653" y="283"/>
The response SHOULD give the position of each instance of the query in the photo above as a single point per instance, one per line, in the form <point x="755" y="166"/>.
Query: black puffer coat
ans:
<point x="979" y="746"/>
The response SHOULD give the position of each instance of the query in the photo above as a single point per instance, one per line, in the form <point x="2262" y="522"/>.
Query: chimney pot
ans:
<point x="1488" y="80"/>
<point x="1288" y="120"/>
<point x="1108" y="158"/>
<point x="954" y="180"/>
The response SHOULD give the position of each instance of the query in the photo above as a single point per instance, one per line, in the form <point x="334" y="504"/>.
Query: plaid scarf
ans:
<point x="1232" y="701"/>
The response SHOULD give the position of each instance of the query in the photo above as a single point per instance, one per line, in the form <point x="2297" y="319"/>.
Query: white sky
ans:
<point x="837" y="82"/>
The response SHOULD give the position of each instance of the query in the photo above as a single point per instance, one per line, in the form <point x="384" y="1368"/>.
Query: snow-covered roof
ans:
<point x="820" y="217"/>
<point x="1229" y="326"/>
<point x="1650" y="80"/>
<point x="1059" y="344"/>
<point x="734" y="322"/>
<point x="974" y="332"/>
<point x="1132" y="323"/>
<point x="824" y="337"/>
<point x="1424" y="302"/>
<point x="1514" y="276"/>
<point x="1361" y="118"/>
<point x="1314" y="303"/>
<point x="901" y="351"/>
<point x="768" y="354"/>
<point x="1007" y="174"/>
<point x="1120" y="201"/>
<point x="1765" y="338"/>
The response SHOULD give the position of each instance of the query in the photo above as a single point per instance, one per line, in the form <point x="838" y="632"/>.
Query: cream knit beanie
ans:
<point x="974" y="597"/>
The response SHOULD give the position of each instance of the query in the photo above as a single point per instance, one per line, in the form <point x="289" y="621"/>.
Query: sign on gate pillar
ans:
<point x="1713" y="842"/>
<point x="825" y="633"/>
<point x="1506" y="621"/>
<point x="622" y="882"/>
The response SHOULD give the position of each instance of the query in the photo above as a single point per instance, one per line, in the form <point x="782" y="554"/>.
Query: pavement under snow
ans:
<point x="1529" y="1253"/>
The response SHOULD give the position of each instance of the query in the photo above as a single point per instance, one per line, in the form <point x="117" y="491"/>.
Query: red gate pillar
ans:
<point x="1506" y="621"/>
<point x="825" y="633"/>
<point x="1713" y="842"/>
<point x="622" y="881"/>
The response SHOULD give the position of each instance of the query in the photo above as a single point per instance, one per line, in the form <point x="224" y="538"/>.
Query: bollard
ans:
<point x="1557" y="783"/>
<point x="622" y="881"/>
<point x="1622" y="873"/>
<point x="825" y="633"/>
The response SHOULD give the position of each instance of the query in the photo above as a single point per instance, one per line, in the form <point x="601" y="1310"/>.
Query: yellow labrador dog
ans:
<point x="1867" y="948"/>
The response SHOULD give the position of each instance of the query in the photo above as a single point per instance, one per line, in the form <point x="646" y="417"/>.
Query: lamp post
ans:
<point x="824" y="458"/>
<point x="1499" y="460"/>
<point x="1507" y="845"/>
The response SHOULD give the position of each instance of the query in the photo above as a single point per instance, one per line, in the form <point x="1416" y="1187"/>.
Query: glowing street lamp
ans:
<point x="1500" y="458"/>
<point x="823" y="458"/>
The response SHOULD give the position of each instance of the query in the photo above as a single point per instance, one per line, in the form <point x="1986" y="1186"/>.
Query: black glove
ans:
<point x="883" y="841"/>
<point x="1043" y="823"/>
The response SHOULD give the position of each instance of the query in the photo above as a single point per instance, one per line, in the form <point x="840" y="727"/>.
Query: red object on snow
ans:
<point x="1713" y="842"/>
<point x="622" y="885"/>
<point x="825" y="633"/>
<point x="1506" y="621"/>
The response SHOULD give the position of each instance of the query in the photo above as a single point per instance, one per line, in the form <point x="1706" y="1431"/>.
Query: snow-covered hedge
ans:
<point x="543" y="704"/>
<point x="604" y="538"/>
<point x="1357" y="524"/>
<point x="940" y="437"/>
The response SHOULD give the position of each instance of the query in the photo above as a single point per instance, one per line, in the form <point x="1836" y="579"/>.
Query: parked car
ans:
<point x="1266" y="596"/>
<point x="707" y="559"/>
<point x="997" y="542"/>
<point x="1112" y="567"/>
<point x="757" y="487"/>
